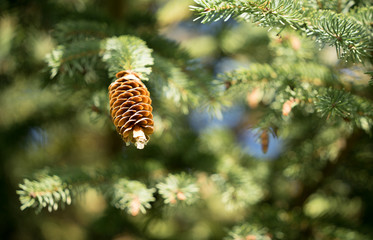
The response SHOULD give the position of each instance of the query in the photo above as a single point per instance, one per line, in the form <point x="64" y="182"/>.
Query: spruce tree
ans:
<point x="258" y="126"/>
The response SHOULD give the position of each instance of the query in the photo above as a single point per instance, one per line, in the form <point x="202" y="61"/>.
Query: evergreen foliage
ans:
<point x="132" y="196"/>
<point x="351" y="38"/>
<point x="48" y="192"/>
<point x="128" y="53"/>
<point x="180" y="188"/>
<point x="211" y="170"/>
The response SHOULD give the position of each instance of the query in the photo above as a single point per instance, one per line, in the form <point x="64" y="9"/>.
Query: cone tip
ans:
<point x="140" y="137"/>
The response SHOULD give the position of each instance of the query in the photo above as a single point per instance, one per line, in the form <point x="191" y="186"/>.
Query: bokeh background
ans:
<point x="44" y="126"/>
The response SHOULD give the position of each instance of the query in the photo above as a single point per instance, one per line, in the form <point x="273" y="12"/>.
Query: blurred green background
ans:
<point x="44" y="126"/>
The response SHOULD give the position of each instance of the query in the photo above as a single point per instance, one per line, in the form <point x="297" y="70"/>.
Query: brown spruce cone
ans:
<point x="130" y="108"/>
<point x="264" y="138"/>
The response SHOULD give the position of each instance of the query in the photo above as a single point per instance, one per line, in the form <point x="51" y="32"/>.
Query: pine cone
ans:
<point x="130" y="108"/>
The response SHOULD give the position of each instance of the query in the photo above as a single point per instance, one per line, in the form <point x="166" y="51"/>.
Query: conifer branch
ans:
<point x="248" y="232"/>
<point x="132" y="196"/>
<point x="127" y="53"/>
<point x="81" y="30"/>
<point x="335" y="103"/>
<point x="350" y="38"/>
<point x="239" y="82"/>
<point x="179" y="78"/>
<point x="51" y="192"/>
<point x="239" y="190"/>
<point x="172" y="83"/>
<point x="266" y="13"/>
<point x="334" y="232"/>
<point x="47" y="191"/>
<point x="75" y="58"/>
<point x="180" y="188"/>
<point x="330" y="103"/>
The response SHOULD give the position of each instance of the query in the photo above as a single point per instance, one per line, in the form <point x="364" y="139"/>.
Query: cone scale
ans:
<point x="130" y="108"/>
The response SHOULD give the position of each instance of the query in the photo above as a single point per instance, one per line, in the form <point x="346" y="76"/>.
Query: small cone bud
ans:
<point x="180" y="195"/>
<point x="135" y="206"/>
<point x="286" y="107"/>
<point x="254" y="97"/>
<point x="130" y="108"/>
<point x="250" y="237"/>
